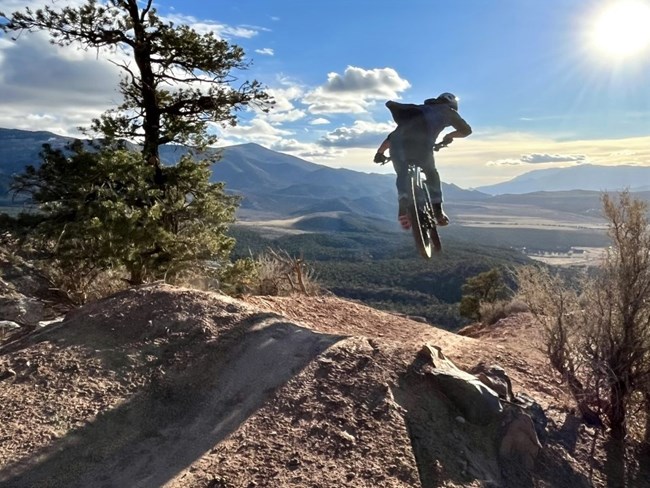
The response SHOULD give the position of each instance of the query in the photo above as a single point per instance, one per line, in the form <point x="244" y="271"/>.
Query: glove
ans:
<point x="447" y="140"/>
<point x="379" y="158"/>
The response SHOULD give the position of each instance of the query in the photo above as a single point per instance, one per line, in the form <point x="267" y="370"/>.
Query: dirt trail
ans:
<point x="161" y="386"/>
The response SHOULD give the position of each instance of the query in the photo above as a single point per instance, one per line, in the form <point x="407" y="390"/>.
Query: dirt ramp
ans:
<point x="162" y="386"/>
<point x="177" y="372"/>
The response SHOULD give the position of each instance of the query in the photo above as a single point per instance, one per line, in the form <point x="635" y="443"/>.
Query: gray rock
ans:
<point x="519" y="442"/>
<point x="476" y="402"/>
<point x="496" y="378"/>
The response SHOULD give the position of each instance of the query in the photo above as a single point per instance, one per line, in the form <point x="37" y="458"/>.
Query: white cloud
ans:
<point x="258" y="130"/>
<point x="539" y="158"/>
<point x="505" y="162"/>
<point x="293" y="115"/>
<point x="284" y="109"/>
<point x="285" y="95"/>
<point x="552" y="158"/>
<point x="49" y="87"/>
<point x="267" y="51"/>
<point x="361" y="134"/>
<point x="41" y="81"/>
<point x="355" y="90"/>
<point x="305" y="150"/>
<point x="222" y="31"/>
<point x="319" y="121"/>
<point x="11" y="6"/>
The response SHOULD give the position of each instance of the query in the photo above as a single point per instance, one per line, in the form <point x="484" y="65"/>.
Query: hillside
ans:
<point x="163" y="386"/>
<point x="382" y="269"/>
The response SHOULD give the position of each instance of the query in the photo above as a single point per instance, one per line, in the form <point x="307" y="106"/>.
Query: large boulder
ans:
<point x="476" y="402"/>
<point x="510" y="429"/>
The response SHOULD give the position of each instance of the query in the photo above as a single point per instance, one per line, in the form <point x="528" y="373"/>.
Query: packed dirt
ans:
<point x="164" y="386"/>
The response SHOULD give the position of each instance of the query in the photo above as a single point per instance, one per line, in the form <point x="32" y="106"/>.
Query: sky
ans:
<point x="543" y="84"/>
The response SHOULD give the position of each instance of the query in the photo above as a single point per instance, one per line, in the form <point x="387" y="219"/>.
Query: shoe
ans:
<point x="404" y="221"/>
<point x="439" y="215"/>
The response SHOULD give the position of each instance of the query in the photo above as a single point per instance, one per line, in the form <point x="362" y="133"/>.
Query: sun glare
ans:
<point x="622" y="29"/>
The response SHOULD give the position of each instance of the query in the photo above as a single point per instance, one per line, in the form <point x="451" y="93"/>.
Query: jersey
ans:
<point x="418" y="127"/>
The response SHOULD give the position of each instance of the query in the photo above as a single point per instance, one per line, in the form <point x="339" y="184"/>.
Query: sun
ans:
<point x="622" y="28"/>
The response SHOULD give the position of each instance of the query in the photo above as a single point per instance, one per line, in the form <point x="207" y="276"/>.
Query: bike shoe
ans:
<point x="404" y="221"/>
<point x="439" y="215"/>
<point x="441" y="219"/>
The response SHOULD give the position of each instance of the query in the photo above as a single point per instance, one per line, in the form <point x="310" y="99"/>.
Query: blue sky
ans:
<point x="539" y="87"/>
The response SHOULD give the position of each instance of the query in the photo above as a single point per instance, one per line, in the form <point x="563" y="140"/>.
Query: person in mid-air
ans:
<point x="418" y="128"/>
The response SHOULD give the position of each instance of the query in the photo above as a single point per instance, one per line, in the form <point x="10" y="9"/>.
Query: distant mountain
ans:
<point x="272" y="184"/>
<point x="582" y="177"/>
<point x="19" y="148"/>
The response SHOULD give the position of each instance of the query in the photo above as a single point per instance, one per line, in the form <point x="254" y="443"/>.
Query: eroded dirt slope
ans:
<point x="161" y="386"/>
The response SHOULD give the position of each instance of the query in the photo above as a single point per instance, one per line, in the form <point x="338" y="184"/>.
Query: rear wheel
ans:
<point x="421" y="232"/>
<point x="431" y="224"/>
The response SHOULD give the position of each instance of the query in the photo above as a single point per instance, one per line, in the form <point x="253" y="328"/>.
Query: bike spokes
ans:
<point x="419" y="224"/>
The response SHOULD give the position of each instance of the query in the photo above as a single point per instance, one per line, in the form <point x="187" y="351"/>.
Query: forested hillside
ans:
<point x="383" y="270"/>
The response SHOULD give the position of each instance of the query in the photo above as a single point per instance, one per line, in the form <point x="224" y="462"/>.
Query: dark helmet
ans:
<point x="446" y="98"/>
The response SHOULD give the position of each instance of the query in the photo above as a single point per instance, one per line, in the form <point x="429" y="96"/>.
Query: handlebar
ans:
<point x="436" y="147"/>
<point x="440" y="145"/>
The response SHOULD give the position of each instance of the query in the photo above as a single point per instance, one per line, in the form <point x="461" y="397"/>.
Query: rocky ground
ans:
<point x="164" y="386"/>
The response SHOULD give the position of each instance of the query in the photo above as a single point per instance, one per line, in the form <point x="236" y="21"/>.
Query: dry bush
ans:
<point x="279" y="273"/>
<point x="599" y="338"/>
<point x="85" y="285"/>
<point x="492" y="312"/>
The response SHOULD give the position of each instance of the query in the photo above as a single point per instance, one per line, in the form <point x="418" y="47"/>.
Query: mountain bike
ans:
<point x="420" y="210"/>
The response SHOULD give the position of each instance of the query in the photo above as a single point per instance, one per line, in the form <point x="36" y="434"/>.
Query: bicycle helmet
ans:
<point x="450" y="99"/>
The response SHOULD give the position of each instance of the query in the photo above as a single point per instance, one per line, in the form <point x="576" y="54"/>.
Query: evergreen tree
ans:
<point x="484" y="287"/>
<point x="113" y="208"/>
<point x="97" y="211"/>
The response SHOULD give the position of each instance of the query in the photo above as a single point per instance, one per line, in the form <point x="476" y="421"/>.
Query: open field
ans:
<point x="522" y="216"/>
<point x="577" y="257"/>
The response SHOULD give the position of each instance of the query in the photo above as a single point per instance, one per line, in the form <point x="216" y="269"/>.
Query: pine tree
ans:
<point x="112" y="208"/>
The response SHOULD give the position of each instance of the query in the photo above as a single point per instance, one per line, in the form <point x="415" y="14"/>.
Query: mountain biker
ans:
<point x="418" y="127"/>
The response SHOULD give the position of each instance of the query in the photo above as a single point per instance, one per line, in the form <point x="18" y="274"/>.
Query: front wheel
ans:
<point x="423" y="228"/>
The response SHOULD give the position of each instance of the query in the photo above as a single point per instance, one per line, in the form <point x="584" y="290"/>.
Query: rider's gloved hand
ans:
<point x="379" y="158"/>
<point x="447" y="140"/>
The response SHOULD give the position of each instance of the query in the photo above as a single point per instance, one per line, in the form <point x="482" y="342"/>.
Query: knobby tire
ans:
<point x="420" y="233"/>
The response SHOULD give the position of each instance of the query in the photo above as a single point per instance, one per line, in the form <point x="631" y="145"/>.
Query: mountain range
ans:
<point x="274" y="185"/>
<point x="581" y="177"/>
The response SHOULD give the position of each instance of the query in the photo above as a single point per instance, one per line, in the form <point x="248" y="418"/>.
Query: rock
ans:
<point x="20" y="309"/>
<point x="535" y="412"/>
<point x="6" y="325"/>
<point x="473" y="330"/>
<point x="477" y="403"/>
<point x="9" y="373"/>
<point x="496" y="378"/>
<point x="519" y="441"/>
